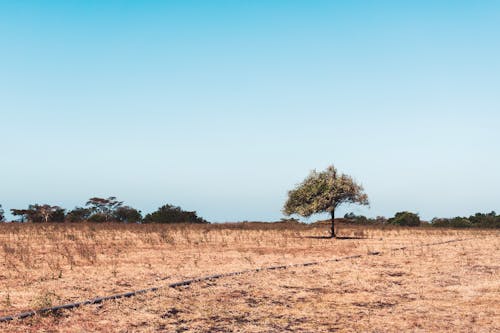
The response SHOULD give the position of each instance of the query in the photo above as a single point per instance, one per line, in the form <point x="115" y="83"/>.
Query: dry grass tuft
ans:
<point x="448" y="287"/>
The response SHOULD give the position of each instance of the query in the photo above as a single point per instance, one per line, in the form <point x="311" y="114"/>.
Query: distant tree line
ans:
<point x="478" y="220"/>
<point x="408" y="219"/>
<point x="102" y="210"/>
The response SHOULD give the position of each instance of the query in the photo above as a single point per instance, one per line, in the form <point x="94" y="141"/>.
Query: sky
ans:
<point x="223" y="106"/>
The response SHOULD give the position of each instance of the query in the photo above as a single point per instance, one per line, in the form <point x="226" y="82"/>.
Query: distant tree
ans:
<point x="103" y="209"/>
<point x="127" y="214"/>
<point x="381" y="220"/>
<point x="34" y="214"/>
<point x="406" y="219"/>
<point x="2" y="216"/>
<point x="173" y="214"/>
<point x="489" y="220"/>
<point x="79" y="214"/>
<point x="58" y="215"/>
<point x="456" y="222"/>
<point x="40" y="213"/>
<point x="478" y="220"/>
<point x="323" y="192"/>
<point x="358" y="219"/>
<point x="21" y="213"/>
<point x="47" y="213"/>
<point x="98" y="217"/>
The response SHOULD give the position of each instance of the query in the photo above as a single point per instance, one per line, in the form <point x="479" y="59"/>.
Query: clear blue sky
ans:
<point x="223" y="106"/>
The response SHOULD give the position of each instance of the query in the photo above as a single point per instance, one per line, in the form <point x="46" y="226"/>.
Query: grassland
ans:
<point x="448" y="287"/>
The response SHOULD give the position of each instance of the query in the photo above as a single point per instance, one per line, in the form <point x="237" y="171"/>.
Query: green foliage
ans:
<point x="405" y="219"/>
<point x="79" y="214"/>
<point x="103" y="207"/>
<point x="98" y="218"/>
<point x="127" y="214"/>
<point x="289" y="220"/>
<point x="173" y="214"/>
<point x="456" y="222"/>
<point x="40" y="213"/>
<point x="323" y="192"/>
<point x="360" y="219"/>
<point x="21" y="213"/>
<point x="58" y="215"/>
<point x="478" y="220"/>
<point x="490" y="220"/>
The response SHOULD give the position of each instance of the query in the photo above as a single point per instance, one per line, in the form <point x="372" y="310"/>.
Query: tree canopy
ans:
<point x="103" y="209"/>
<point x="40" y="213"/>
<point x="405" y="219"/>
<point x="127" y="214"/>
<point x="173" y="214"/>
<point x="323" y="192"/>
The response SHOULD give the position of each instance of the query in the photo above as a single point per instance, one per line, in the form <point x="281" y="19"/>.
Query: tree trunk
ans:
<point x="333" y="224"/>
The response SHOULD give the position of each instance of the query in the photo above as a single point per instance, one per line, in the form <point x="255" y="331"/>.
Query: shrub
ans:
<point x="357" y="219"/>
<point x="98" y="218"/>
<point x="478" y="220"/>
<point x="79" y="214"/>
<point x="361" y="219"/>
<point x="406" y="219"/>
<point x="127" y="214"/>
<point x="456" y="222"/>
<point x="490" y="220"/>
<point x="173" y="214"/>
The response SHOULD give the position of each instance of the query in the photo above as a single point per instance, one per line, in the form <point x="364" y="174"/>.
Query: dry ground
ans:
<point x="449" y="287"/>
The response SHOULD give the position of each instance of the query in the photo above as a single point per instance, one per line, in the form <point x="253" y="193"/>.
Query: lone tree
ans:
<point x="323" y="192"/>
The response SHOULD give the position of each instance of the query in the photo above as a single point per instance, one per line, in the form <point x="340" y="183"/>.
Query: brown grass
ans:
<point x="449" y="287"/>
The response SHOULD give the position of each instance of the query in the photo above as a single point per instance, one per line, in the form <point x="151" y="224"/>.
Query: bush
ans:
<point x="173" y="214"/>
<point x="405" y="219"/>
<point x="98" y="218"/>
<point x="127" y="214"/>
<point x="478" y="220"/>
<point x="490" y="220"/>
<point x="59" y="215"/>
<point x="79" y="214"/>
<point x="357" y="219"/>
<point x="456" y="222"/>
<point x="361" y="219"/>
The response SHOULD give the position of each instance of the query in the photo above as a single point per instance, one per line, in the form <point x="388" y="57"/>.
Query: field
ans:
<point x="452" y="287"/>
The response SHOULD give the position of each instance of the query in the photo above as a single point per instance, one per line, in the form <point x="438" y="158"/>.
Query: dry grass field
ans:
<point x="452" y="287"/>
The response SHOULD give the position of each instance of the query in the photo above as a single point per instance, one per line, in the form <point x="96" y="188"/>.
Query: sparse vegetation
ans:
<point x="52" y="263"/>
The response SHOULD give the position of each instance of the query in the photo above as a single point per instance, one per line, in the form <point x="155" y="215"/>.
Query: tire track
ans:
<point x="183" y="283"/>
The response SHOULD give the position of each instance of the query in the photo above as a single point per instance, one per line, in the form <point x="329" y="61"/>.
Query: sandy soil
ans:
<point x="448" y="287"/>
